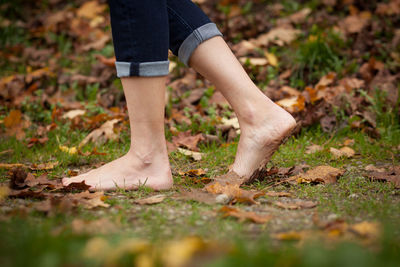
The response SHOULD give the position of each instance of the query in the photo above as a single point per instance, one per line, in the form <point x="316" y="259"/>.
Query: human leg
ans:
<point x="263" y="123"/>
<point x="142" y="63"/>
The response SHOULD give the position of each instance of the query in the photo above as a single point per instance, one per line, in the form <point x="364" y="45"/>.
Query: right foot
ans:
<point x="129" y="172"/>
<point x="261" y="134"/>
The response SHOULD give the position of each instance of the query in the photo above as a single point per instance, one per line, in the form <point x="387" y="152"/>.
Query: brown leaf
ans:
<point x="278" y="194"/>
<point x="392" y="176"/>
<point x="187" y="140"/>
<point x="106" y="61"/>
<point x="244" y="215"/>
<point x="90" y="9"/>
<point x="289" y="236"/>
<point x="76" y="186"/>
<point x="198" y="195"/>
<point x="313" y="149"/>
<point x="27" y="193"/>
<point x="320" y="174"/>
<point x="296" y="205"/>
<point x="229" y="184"/>
<point x="355" y="23"/>
<point x="300" y="16"/>
<point x="195" y="155"/>
<point x="279" y="36"/>
<point x="43" y="166"/>
<point x="151" y="200"/>
<point x="102" y="134"/>
<point x="343" y="152"/>
<point x="11" y="165"/>
<point x="17" y="178"/>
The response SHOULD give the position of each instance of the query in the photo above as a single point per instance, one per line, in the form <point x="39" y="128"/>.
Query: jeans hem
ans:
<point x="198" y="36"/>
<point x="142" y="69"/>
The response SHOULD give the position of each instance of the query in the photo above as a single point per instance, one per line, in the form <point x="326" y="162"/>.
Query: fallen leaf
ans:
<point x="4" y="192"/>
<point x="342" y="152"/>
<point x="272" y="59"/>
<point x="392" y="176"/>
<point x="43" y="166"/>
<point x="151" y="200"/>
<point x="90" y="9"/>
<point x="229" y="184"/>
<point x="195" y="155"/>
<point x="70" y="150"/>
<point x="348" y="142"/>
<point x="187" y="140"/>
<point x="199" y="196"/>
<point x="234" y="123"/>
<point x="102" y="134"/>
<point x="244" y="215"/>
<point x="295" y="205"/>
<point x="11" y="165"/>
<point x="17" y="178"/>
<point x="371" y="167"/>
<point x="254" y="61"/>
<point x="319" y="174"/>
<point x="278" y="194"/>
<point x="300" y="16"/>
<point x="73" y="113"/>
<point x="313" y="149"/>
<point x="279" y="36"/>
<point x="76" y="186"/>
<point x="289" y="236"/>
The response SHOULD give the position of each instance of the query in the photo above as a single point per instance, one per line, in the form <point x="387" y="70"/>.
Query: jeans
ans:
<point x="144" y="30"/>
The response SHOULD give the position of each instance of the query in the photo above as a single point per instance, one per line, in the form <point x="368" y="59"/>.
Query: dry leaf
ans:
<point x="320" y="174"/>
<point x="11" y="165"/>
<point x="187" y="140"/>
<point x="343" y="152"/>
<point x="151" y="200"/>
<point x="392" y="176"/>
<point x="43" y="166"/>
<point x="244" y="215"/>
<point x="70" y="150"/>
<point x="278" y="194"/>
<point x="313" y="149"/>
<point x="102" y="134"/>
<point x="279" y="36"/>
<point x="289" y="236"/>
<point x="254" y="61"/>
<point x="296" y="205"/>
<point x="198" y="195"/>
<point x="195" y="155"/>
<point x="374" y="168"/>
<point x="272" y="59"/>
<point x="73" y="113"/>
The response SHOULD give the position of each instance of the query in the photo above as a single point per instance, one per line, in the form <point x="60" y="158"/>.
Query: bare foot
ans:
<point x="261" y="134"/>
<point x="129" y="172"/>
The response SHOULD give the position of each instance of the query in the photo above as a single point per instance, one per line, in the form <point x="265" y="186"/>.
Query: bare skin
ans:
<point x="263" y="124"/>
<point x="146" y="162"/>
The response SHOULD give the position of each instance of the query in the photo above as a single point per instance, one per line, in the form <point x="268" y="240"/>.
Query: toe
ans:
<point x="66" y="181"/>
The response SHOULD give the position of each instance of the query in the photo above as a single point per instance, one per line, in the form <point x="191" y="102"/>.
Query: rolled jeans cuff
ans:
<point x="143" y="69"/>
<point x="198" y="36"/>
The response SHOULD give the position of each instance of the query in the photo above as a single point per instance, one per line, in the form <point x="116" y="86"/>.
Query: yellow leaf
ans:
<point x="272" y="59"/>
<point x="70" y="150"/>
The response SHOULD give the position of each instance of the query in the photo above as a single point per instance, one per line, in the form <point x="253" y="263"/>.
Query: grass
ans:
<point x="353" y="198"/>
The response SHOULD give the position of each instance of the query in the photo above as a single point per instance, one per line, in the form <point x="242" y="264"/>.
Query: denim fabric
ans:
<point x="143" y="31"/>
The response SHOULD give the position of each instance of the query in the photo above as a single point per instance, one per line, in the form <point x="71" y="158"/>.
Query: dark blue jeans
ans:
<point x="144" y="30"/>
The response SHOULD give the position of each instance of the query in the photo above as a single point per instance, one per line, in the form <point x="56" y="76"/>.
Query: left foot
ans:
<point x="264" y="129"/>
